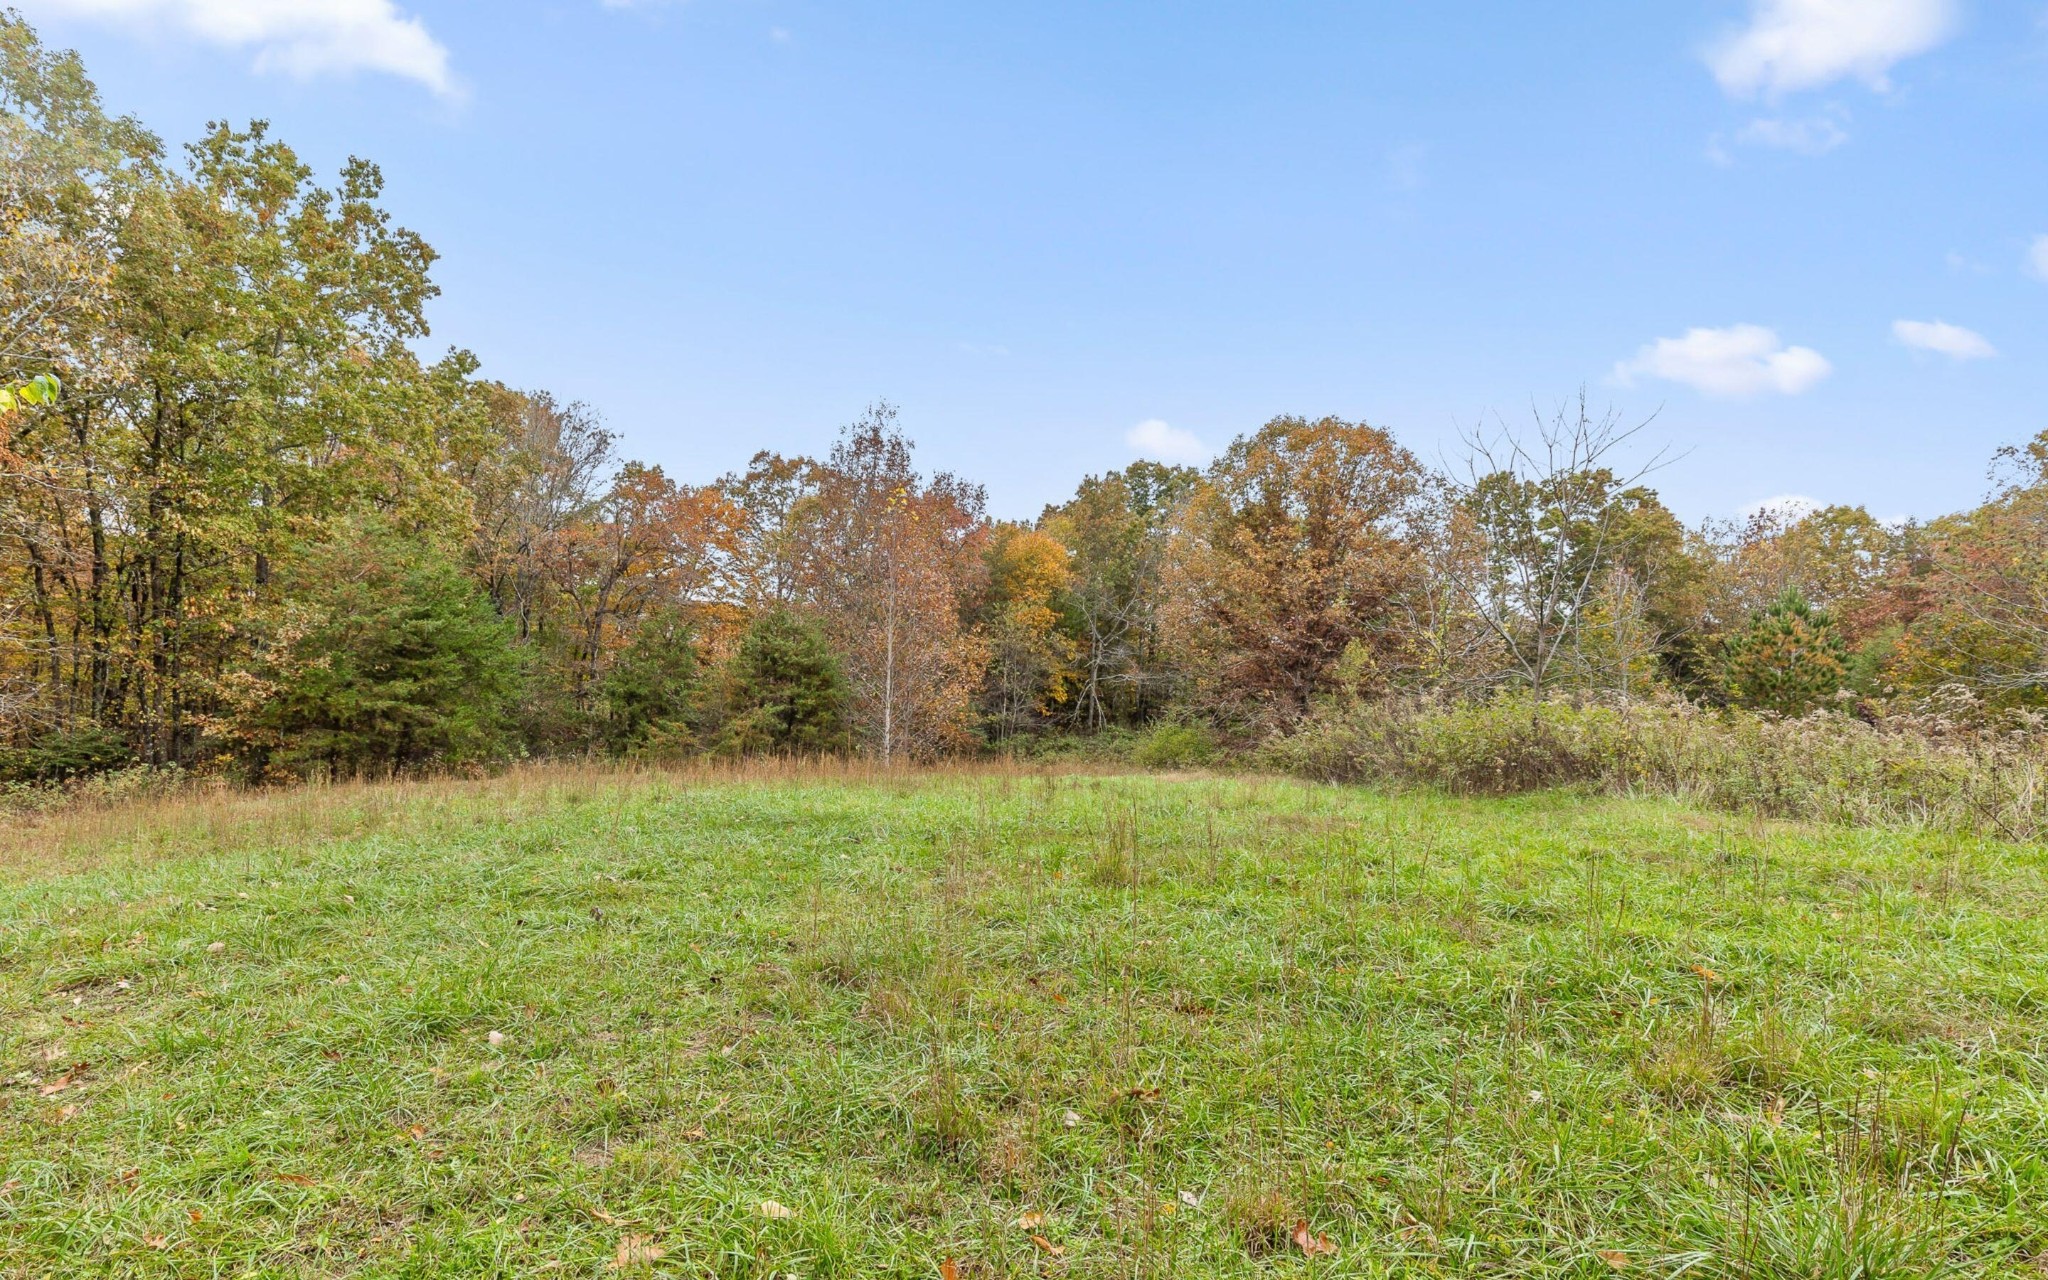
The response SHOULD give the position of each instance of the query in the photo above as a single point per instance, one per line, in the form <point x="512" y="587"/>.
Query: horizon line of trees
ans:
<point x="258" y="534"/>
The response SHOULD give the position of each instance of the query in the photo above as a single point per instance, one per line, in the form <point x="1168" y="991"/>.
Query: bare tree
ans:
<point x="1546" y="507"/>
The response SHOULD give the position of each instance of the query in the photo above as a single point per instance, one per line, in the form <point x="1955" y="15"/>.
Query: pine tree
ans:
<point x="1788" y="659"/>
<point x="785" y="691"/>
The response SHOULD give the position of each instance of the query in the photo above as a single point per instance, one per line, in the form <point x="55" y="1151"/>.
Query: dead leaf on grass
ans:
<point x="637" y="1251"/>
<point x="1311" y="1244"/>
<point x="1030" y="1221"/>
<point x="1614" y="1258"/>
<point x="1047" y="1246"/>
<point x="771" y="1209"/>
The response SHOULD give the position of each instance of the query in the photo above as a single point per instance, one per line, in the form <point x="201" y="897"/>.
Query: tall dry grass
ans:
<point x="1826" y="767"/>
<point x="93" y="826"/>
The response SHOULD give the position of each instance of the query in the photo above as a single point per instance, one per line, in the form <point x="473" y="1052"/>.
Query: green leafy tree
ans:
<point x="1116" y="529"/>
<point x="786" y="692"/>
<point x="37" y="392"/>
<point x="390" y="659"/>
<point x="239" y="380"/>
<point x="1789" y="659"/>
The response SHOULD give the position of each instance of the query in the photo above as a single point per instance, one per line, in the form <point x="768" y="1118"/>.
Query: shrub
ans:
<point x="78" y="752"/>
<point x="115" y="786"/>
<point x="1175" y="746"/>
<point x="1821" y="767"/>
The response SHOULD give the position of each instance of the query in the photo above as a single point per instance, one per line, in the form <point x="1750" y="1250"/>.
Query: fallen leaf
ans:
<point x="156" y="1242"/>
<point x="57" y="1086"/>
<point x="770" y="1209"/>
<point x="1614" y="1258"/>
<point x="1030" y="1222"/>
<point x="1309" y="1242"/>
<point x="216" y="947"/>
<point x="341" y="981"/>
<point x="194" y="1214"/>
<point x="332" y="1055"/>
<point x="1142" y="1093"/>
<point x="1191" y="1200"/>
<point x="697" y="1134"/>
<point x="949" y="1270"/>
<point x="417" y="1132"/>
<point x="636" y="1251"/>
<point x="1071" y="1119"/>
<point x="604" y="1217"/>
<point x="1047" y="1246"/>
<point x="296" y="1179"/>
<point x="65" y="1113"/>
<point x="496" y="1037"/>
<point x="1706" y="974"/>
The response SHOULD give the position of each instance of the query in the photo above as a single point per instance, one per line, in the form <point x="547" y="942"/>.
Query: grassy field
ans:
<point x="988" y="1024"/>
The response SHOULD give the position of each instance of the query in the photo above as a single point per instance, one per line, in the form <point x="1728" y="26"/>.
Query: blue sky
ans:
<point x="1810" y="235"/>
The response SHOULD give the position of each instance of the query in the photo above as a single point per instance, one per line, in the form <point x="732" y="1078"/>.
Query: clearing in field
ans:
<point x="994" y="1024"/>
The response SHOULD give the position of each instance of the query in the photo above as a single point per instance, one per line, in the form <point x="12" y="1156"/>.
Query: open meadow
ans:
<point x="975" y="1023"/>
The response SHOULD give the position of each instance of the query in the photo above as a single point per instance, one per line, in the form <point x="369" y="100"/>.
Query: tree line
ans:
<point x="258" y="534"/>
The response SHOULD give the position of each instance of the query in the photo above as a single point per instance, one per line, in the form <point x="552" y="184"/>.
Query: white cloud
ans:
<point x="301" y="38"/>
<point x="1740" y="360"/>
<point x="2037" y="258"/>
<point x="1942" y="338"/>
<point x="1153" y="439"/>
<point x="1791" y="45"/>
<point x="1813" y="136"/>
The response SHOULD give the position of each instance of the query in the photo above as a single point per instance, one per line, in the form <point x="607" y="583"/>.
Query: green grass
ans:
<point x="1175" y="1017"/>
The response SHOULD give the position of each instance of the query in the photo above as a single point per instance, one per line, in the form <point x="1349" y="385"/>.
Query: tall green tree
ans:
<point x="236" y="343"/>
